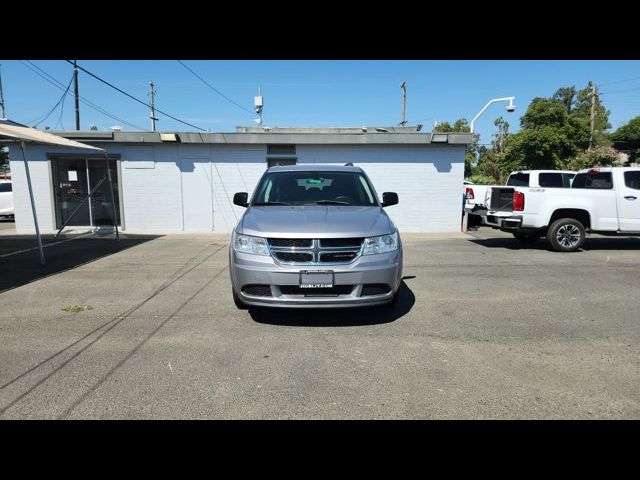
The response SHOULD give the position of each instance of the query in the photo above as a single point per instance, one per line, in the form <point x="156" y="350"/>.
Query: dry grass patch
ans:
<point x="77" y="308"/>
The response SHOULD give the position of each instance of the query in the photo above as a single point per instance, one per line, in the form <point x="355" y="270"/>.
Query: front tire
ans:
<point x="566" y="235"/>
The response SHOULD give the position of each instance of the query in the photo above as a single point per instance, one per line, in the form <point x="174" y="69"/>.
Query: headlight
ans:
<point x="247" y="244"/>
<point x="385" y="243"/>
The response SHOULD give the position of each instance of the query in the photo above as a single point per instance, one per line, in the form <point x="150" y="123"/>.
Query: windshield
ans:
<point x="314" y="188"/>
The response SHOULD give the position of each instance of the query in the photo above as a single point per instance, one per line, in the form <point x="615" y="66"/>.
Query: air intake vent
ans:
<point x="257" y="290"/>
<point x="374" y="289"/>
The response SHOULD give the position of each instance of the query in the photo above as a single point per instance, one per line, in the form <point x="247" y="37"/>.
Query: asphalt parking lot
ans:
<point x="485" y="328"/>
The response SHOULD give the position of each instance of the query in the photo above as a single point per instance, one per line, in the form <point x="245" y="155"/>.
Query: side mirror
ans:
<point x="241" y="199"/>
<point x="389" y="198"/>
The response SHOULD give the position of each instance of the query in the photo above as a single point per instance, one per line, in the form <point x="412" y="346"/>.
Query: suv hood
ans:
<point x="315" y="221"/>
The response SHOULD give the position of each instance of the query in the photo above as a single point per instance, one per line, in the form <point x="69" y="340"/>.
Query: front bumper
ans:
<point x="379" y="269"/>
<point x="502" y="220"/>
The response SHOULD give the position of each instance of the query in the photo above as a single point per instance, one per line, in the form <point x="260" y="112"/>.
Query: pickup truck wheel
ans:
<point x="527" y="237"/>
<point x="566" y="235"/>
<point x="236" y="299"/>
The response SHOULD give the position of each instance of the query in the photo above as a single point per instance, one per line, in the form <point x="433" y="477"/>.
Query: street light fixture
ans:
<point x="510" y="108"/>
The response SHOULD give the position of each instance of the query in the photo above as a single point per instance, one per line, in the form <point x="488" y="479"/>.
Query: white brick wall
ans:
<point x="40" y="181"/>
<point x="428" y="180"/>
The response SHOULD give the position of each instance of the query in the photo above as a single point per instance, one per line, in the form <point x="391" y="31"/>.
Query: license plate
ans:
<point x="316" y="279"/>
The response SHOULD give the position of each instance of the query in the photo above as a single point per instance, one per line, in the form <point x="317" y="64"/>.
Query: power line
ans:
<point x="619" y="81"/>
<point x="53" y="81"/>
<point x="61" y="113"/>
<point x="215" y="89"/>
<point x="621" y="91"/>
<point x="64" y="94"/>
<point x="137" y="99"/>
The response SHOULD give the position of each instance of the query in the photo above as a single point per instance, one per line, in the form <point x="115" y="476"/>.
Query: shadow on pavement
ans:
<point x="20" y="260"/>
<point x="592" y="243"/>
<point x="343" y="317"/>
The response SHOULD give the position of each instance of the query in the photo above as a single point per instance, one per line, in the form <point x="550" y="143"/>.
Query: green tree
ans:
<point x="627" y="139"/>
<point x="4" y="159"/>
<point x="502" y="134"/>
<point x="545" y="147"/>
<point x="555" y="131"/>
<point x="544" y="112"/>
<point x="472" y="151"/>
<point x="567" y="96"/>
<point x="595" y="157"/>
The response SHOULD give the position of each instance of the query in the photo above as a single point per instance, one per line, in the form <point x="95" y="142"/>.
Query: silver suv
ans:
<point x="315" y="236"/>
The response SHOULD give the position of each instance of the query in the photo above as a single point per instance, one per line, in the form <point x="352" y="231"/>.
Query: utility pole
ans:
<point x="593" y="113"/>
<point x="403" y="86"/>
<point x="2" y="115"/>
<point x="75" y="92"/>
<point x="152" y="105"/>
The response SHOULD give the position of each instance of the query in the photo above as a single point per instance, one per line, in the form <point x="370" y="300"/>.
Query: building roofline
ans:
<point x="290" y="136"/>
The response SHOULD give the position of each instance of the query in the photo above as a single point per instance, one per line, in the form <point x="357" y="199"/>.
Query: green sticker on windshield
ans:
<point x="313" y="181"/>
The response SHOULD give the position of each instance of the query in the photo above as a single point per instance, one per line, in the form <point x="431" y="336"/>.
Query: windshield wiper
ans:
<point x="259" y="204"/>
<point x="331" y="202"/>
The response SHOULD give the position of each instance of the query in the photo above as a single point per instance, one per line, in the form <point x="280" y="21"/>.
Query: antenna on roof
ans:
<point x="348" y="164"/>
<point x="258" y="103"/>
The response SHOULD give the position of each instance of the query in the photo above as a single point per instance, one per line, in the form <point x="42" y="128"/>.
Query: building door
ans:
<point x="73" y="180"/>
<point x="197" y="209"/>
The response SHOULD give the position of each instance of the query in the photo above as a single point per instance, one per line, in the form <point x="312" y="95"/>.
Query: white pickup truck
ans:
<point x="478" y="197"/>
<point x="600" y="200"/>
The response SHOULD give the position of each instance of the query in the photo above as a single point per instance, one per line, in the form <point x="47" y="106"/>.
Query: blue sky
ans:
<point x="313" y="93"/>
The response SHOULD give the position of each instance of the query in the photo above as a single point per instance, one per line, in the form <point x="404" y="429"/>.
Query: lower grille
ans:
<point x="317" y="292"/>
<point x="299" y="257"/>
<point x="257" y="290"/>
<point x="374" y="289"/>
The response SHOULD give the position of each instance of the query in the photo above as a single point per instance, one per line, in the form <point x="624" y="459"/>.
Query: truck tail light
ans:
<point x="469" y="193"/>
<point x="518" y="201"/>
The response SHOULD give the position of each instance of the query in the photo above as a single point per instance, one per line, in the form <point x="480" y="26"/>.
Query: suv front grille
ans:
<point x="341" y="242"/>
<point x="295" y="257"/>
<point x="315" y="251"/>
<point x="291" y="242"/>
<point x="336" y="257"/>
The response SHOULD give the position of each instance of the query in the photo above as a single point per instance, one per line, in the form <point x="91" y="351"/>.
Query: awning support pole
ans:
<point x="33" y="206"/>
<point x="113" y="200"/>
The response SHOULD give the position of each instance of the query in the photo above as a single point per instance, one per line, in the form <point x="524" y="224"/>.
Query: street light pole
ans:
<point x="510" y="108"/>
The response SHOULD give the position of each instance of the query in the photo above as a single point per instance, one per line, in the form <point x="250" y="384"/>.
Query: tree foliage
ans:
<point x="555" y="133"/>
<point x="4" y="159"/>
<point x="627" y="139"/>
<point x="471" y="152"/>
<point x="596" y="157"/>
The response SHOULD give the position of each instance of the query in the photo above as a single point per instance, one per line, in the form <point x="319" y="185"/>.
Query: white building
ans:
<point x="174" y="182"/>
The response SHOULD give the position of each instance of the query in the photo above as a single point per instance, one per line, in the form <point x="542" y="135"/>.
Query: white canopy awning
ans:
<point x="27" y="134"/>
<point x="22" y="134"/>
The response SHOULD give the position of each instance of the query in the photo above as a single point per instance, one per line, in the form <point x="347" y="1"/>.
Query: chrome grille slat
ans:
<point x="332" y="251"/>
